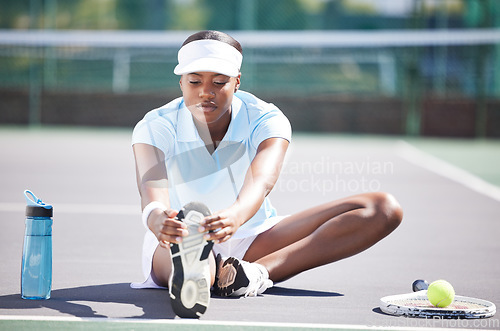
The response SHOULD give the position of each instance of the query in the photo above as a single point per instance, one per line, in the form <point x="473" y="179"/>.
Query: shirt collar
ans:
<point x="186" y="130"/>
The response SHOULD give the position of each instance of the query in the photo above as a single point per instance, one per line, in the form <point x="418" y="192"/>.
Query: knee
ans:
<point x="387" y="210"/>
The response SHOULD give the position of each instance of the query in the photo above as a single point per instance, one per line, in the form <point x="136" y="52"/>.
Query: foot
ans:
<point x="190" y="282"/>
<point x="240" y="278"/>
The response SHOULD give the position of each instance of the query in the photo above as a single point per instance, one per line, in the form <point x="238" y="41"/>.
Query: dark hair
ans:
<point x="214" y="35"/>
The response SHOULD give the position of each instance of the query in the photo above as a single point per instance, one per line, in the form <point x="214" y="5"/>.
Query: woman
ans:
<point x="225" y="148"/>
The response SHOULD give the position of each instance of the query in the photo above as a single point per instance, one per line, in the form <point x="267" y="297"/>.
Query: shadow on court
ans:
<point x="292" y="292"/>
<point x="81" y="301"/>
<point x="155" y="304"/>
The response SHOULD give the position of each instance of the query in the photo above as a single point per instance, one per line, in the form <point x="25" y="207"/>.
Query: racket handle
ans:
<point x="420" y="285"/>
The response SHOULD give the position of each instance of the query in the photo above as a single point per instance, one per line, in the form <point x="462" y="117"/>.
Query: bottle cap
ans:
<point x="35" y="207"/>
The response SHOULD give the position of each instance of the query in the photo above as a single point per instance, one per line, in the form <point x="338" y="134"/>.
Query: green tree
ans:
<point x="15" y="14"/>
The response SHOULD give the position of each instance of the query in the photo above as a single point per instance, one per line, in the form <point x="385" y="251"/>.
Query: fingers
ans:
<point x="219" y="236"/>
<point x="222" y="227"/>
<point x="219" y="228"/>
<point x="169" y="229"/>
<point x="211" y="223"/>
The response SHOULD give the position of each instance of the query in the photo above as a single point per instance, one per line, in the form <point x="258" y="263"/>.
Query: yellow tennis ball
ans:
<point x="440" y="293"/>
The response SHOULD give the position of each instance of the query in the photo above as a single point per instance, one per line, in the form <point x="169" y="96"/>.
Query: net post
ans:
<point x="121" y="71"/>
<point x="412" y="97"/>
<point x="247" y="14"/>
<point x="35" y="91"/>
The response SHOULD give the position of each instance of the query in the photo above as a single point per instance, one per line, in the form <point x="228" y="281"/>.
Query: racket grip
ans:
<point x="420" y="285"/>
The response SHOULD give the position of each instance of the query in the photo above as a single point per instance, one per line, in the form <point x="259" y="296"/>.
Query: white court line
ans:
<point x="232" y="324"/>
<point x="447" y="170"/>
<point x="73" y="208"/>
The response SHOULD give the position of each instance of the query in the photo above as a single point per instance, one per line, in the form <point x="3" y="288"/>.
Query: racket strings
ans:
<point x="424" y="303"/>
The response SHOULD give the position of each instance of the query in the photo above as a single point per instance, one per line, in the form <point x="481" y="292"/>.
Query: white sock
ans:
<point x="263" y="270"/>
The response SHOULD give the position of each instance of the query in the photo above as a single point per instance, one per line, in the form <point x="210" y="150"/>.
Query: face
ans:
<point x="208" y="95"/>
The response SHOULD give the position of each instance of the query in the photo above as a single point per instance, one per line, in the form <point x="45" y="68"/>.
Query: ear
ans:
<point x="238" y="82"/>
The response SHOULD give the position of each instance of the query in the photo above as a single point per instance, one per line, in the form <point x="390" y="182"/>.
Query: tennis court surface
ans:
<point x="448" y="189"/>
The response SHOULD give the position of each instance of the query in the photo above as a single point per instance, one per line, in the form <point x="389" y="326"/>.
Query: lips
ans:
<point x="207" y="107"/>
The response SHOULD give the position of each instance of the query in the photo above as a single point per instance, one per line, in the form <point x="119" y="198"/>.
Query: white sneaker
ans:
<point x="189" y="285"/>
<point x="240" y="278"/>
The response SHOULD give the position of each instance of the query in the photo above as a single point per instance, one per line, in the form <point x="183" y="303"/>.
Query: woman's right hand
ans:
<point x="166" y="227"/>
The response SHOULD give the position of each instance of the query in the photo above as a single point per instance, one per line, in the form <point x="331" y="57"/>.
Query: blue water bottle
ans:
<point x="36" y="269"/>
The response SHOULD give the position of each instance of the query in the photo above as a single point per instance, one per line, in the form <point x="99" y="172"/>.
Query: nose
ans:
<point x="206" y="92"/>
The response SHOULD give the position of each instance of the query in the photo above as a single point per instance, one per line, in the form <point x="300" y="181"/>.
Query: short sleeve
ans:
<point x="271" y="123"/>
<point x="265" y="119"/>
<point x="156" y="129"/>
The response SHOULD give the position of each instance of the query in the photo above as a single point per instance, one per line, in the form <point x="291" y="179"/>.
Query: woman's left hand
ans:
<point x="224" y="224"/>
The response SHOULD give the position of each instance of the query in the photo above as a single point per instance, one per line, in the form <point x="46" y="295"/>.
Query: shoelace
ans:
<point x="258" y="287"/>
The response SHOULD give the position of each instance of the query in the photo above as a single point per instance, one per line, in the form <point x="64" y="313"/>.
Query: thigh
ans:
<point x="300" y="225"/>
<point x="162" y="266"/>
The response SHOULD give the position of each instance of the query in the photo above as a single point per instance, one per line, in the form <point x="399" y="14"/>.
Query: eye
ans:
<point x="221" y="83"/>
<point x="194" y="82"/>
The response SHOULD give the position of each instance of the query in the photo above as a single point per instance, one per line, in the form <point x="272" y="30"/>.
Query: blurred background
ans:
<point x="405" y="67"/>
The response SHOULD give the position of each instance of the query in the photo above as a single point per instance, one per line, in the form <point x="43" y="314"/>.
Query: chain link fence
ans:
<point x="307" y="52"/>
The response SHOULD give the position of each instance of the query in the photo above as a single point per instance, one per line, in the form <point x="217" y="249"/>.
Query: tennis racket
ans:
<point x="416" y="304"/>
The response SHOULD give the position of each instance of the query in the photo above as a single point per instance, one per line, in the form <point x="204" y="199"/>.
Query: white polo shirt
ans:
<point x="214" y="179"/>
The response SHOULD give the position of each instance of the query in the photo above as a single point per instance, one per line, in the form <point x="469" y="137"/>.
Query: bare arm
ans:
<point x="259" y="181"/>
<point x="152" y="183"/>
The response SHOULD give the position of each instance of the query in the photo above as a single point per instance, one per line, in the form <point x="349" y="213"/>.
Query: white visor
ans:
<point x="209" y="55"/>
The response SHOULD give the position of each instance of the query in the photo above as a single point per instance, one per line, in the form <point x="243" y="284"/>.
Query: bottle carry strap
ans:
<point x="35" y="207"/>
<point x="34" y="201"/>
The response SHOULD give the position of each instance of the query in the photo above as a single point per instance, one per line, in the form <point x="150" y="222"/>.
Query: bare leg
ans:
<point x="324" y="234"/>
<point x="162" y="266"/>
